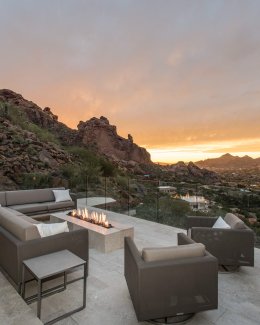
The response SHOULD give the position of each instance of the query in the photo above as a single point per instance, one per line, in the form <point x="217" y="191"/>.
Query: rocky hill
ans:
<point x="191" y="173"/>
<point x="228" y="161"/>
<point x="33" y="141"/>
<point x="22" y="152"/>
<point x="96" y="134"/>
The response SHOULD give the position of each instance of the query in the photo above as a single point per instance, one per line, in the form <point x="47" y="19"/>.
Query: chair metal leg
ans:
<point x="39" y="298"/>
<point x="22" y="285"/>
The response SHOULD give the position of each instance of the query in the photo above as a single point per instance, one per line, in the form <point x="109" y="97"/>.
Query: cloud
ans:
<point x="177" y="74"/>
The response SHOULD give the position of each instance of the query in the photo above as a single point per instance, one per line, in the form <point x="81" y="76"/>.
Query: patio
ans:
<point x="108" y="300"/>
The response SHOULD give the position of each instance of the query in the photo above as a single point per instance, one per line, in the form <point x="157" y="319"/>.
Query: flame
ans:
<point x="93" y="217"/>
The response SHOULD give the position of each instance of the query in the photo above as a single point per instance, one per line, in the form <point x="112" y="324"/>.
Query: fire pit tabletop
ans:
<point x="100" y="238"/>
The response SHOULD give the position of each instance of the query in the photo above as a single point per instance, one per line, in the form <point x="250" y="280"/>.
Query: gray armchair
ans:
<point x="172" y="288"/>
<point x="233" y="247"/>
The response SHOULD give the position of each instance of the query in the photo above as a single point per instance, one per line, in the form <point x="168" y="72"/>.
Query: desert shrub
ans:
<point x="108" y="169"/>
<point x="18" y="117"/>
<point x="31" y="151"/>
<point x="75" y="176"/>
<point x="122" y="181"/>
<point x="35" y="180"/>
<point x="43" y="134"/>
<point x="18" y="139"/>
<point x="3" y="109"/>
<point x="92" y="164"/>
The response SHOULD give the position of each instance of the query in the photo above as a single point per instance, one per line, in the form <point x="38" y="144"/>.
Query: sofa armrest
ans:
<point x="74" y="198"/>
<point x="200" y="221"/>
<point x="75" y="241"/>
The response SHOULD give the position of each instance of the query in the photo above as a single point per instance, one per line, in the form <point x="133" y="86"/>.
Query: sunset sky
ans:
<point x="181" y="76"/>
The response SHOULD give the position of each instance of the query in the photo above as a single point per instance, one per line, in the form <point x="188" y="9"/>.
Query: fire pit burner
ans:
<point x="94" y="217"/>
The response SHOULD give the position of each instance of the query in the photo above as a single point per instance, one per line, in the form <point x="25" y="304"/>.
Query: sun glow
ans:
<point x="202" y="151"/>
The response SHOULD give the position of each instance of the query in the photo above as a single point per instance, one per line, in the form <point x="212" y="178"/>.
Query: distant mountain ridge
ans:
<point x="190" y="172"/>
<point x="229" y="161"/>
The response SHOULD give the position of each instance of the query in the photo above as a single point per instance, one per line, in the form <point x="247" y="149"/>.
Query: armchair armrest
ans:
<point x="184" y="239"/>
<point x="132" y="264"/>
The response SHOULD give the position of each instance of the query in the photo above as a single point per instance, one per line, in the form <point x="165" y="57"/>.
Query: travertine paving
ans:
<point x="108" y="300"/>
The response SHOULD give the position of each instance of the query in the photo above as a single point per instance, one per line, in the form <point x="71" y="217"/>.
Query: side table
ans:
<point x="46" y="266"/>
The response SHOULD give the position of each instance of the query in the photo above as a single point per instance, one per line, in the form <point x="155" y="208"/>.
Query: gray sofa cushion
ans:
<point x="31" y="220"/>
<point x="173" y="252"/>
<point x="60" y="205"/>
<point x="29" y="196"/>
<point x="31" y="207"/>
<point x="19" y="227"/>
<point x="2" y="199"/>
<point x="234" y="221"/>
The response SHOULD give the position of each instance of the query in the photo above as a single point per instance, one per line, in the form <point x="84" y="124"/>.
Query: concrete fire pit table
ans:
<point x="102" y="239"/>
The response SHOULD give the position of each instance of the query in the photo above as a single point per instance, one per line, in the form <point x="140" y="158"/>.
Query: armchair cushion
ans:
<point x="173" y="252"/>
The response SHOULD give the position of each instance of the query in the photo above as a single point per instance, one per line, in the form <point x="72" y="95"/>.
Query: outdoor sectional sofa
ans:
<point x="20" y="240"/>
<point x="36" y="201"/>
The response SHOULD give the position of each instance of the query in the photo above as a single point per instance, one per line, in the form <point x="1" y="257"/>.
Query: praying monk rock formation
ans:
<point x="98" y="133"/>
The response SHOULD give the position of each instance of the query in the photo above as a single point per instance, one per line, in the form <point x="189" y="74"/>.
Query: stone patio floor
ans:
<point x="108" y="300"/>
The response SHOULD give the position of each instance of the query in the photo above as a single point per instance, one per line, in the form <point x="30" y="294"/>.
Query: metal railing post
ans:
<point x="157" y="200"/>
<point x="86" y="189"/>
<point x="105" y="192"/>
<point x="128" y="201"/>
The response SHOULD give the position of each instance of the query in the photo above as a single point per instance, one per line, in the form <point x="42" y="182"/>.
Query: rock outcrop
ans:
<point x="100" y="135"/>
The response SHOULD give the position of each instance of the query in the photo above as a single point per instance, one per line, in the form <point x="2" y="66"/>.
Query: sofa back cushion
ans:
<point x="19" y="227"/>
<point x="2" y="199"/>
<point x="234" y="221"/>
<point x="173" y="252"/>
<point x="61" y="195"/>
<point x="29" y="196"/>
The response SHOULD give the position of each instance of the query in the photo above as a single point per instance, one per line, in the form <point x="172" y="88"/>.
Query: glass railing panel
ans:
<point x="152" y="199"/>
